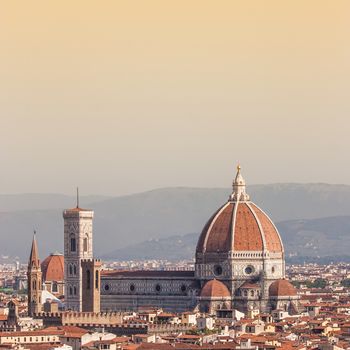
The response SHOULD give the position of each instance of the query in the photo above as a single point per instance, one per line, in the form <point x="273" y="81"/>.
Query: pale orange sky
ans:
<point x="124" y="96"/>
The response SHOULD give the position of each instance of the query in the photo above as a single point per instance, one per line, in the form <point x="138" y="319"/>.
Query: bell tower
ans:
<point x="77" y="246"/>
<point x="34" y="280"/>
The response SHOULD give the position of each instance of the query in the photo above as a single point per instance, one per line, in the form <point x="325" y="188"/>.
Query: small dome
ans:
<point x="215" y="289"/>
<point x="282" y="288"/>
<point x="53" y="268"/>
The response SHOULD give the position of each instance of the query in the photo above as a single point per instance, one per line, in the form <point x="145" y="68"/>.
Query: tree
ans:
<point x="320" y="283"/>
<point x="345" y="282"/>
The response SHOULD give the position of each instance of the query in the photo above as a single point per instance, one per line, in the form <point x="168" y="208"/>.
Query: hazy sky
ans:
<point x="124" y="96"/>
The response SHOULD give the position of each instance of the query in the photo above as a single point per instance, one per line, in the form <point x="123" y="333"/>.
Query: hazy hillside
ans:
<point x="303" y="240"/>
<point x="170" y="248"/>
<point x="122" y="221"/>
<point x="317" y="238"/>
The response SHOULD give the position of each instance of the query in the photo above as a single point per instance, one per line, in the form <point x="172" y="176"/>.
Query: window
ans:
<point x="88" y="279"/>
<point x="85" y="245"/>
<point x="54" y="287"/>
<point x="249" y="269"/>
<point x="96" y="280"/>
<point x="74" y="269"/>
<point x="218" y="270"/>
<point x="70" y="291"/>
<point x="132" y="287"/>
<point x="75" y="290"/>
<point x="71" y="269"/>
<point x="73" y="244"/>
<point x="158" y="288"/>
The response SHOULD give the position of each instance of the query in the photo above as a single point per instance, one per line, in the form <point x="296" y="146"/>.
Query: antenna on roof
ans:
<point x="77" y="197"/>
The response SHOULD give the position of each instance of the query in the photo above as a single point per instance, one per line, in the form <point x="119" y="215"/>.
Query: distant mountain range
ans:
<point x="124" y="223"/>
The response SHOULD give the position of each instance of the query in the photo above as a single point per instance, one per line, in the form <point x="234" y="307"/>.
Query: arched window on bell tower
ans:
<point x="86" y="243"/>
<point x="73" y="244"/>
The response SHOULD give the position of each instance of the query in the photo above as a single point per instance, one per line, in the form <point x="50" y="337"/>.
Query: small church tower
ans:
<point x="34" y="280"/>
<point x="77" y="246"/>
<point x="12" y="319"/>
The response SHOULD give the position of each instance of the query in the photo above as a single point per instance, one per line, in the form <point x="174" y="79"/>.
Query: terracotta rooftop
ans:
<point x="216" y="289"/>
<point x="249" y="285"/>
<point x="53" y="268"/>
<point x="282" y="287"/>
<point x="239" y="226"/>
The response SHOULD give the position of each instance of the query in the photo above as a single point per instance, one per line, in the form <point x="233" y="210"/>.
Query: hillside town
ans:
<point x="174" y="175"/>
<point x="323" y="321"/>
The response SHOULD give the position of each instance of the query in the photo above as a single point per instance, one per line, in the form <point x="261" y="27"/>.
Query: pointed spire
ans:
<point x="239" y="188"/>
<point x="34" y="256"/>
<point x="77" y="197"/>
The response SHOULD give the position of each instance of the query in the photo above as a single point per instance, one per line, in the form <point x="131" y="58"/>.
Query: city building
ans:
<point x="240" y="264"/>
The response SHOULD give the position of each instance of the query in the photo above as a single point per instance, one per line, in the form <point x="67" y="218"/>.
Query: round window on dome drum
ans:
<point x="183" y="288"/>
<point x="249" y="270"/>
<point x="217" y="270"/>
<point x="158" y="288"/>
<point x="132" y="288"/>
<point x="107" y="287"/>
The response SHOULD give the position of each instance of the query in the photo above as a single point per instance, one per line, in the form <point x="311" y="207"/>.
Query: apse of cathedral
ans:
<point x="239" y="265"/>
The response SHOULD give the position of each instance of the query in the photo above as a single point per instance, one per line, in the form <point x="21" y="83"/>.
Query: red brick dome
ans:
<point x="53" y="268"/>
<point x="215" y="289"/>
<point x="282" y="288"/>
<point x="239" y="225"/>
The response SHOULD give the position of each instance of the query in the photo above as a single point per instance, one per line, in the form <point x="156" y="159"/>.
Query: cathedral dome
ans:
<point x="215" y="289"/>
<point x="239" y="225"/>
<point x="53" y="267"/>
<point x="282" y="288"/>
